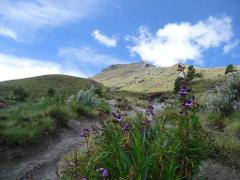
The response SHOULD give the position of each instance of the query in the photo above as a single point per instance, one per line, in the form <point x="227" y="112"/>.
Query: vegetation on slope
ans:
<point x="142" y="77"/>
<point x="39" y="86"/>
<point x="27" y="121"/>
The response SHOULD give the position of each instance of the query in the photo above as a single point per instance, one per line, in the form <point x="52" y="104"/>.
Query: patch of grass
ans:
<point x="234" y="128"/>
<point x="103" y="106"/>
<point x="225" y="132"/>
<point x="60" y="114"/>
<point x="28" y="121"/>
<point x="15" y="132"/>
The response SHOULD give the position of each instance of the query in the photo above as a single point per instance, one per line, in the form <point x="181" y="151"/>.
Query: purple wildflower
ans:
<point x="85" y="132"/>
<point x="182" y="92"/>
<point x="188" y="103"/>
<point x="117" y="117"/>
<point x="126" y="128"/>
<point x="83" y="178"/>
<point x="104" y="172"/>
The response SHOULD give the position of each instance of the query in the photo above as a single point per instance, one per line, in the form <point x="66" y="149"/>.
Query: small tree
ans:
<point x="230" y="69"/>
<point x="191" y="74"/>
<point x="51" y="92"/>
<point x="19" y="94"/>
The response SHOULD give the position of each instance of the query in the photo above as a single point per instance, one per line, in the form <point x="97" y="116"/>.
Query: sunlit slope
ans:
<point x="142" y="77"/>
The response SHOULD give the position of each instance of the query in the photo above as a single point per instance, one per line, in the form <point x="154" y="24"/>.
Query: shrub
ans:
<point x="103" y="106"/>
<point x="19" y="94"/>
<point x="87" y="98"/>
<point x="230" y="69"/>
<point x="227" y="99"/>
<point x="59" y="114"/>
<point x="191" y="74"/>
<point x="84" y="103"/>
<point x="51" y="92"/>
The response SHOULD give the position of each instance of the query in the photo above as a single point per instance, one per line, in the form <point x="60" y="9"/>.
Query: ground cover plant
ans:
<point x="30" y="120"/>
<point x="143" y="146"/>
<point x="26" y="121"/>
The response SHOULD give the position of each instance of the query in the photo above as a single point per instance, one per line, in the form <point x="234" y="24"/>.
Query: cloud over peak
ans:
<point x="107" y="41"/>
<point x="180" y="42"/>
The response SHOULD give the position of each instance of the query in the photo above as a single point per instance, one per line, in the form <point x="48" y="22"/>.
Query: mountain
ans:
<point x="38" y="86"/>
<point x="143" y="77"/>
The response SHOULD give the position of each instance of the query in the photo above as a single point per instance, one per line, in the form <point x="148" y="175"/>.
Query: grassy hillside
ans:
<point x="142" y="77"/>
<point x="38" y="86"/>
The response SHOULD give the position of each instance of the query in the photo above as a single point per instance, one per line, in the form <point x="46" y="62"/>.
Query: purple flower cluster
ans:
<point x="104" y="172"/>
<point x="188" y="103"/>
<point x="118" y="117"/>
<point x="85" y="132"/>
<point x="182" y="92"/>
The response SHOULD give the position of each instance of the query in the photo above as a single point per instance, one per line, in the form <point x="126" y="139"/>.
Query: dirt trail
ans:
<point x="39" y="162"/>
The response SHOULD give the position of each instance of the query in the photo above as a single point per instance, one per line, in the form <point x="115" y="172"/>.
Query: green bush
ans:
<point x="19" y="94"/>
<point x="51" y="92"/>
<point x="103" y="106"/>
<point x="87" y="98"/>
<point x="59" y="114"/>
<point x="85" y="103"/>
<point x="227" y="98"/>
<point x="230" y="69"/>
<point x="191" y="74"/>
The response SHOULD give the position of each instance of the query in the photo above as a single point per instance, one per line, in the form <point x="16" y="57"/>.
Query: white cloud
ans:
<point x="4" y="31"/>
<point x="13" y="67"/>
<point x="86" y="55"/>
<point x="110" y="42"/>
<point x="25" y="16"/>
<point x="179" y="42"/>
<point x="231" y="45"/>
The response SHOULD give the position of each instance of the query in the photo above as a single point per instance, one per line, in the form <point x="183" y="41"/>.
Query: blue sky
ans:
<point x="81" y="37"/>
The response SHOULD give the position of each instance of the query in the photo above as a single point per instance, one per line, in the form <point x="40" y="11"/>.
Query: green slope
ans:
<point x="38" y="86"/>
